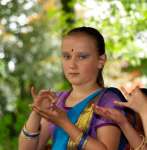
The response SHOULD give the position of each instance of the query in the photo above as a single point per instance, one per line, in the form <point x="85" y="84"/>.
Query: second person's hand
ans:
<point x="136" y="100"/>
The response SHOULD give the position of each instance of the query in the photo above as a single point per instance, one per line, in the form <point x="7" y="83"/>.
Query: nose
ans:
<point x="73" y="63"/>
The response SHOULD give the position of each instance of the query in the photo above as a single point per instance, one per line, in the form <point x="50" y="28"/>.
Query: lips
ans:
<point x="73" y="73"/>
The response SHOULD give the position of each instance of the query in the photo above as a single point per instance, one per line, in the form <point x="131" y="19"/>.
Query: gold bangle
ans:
<point x="27" y="137"/>
<point x="85" y="142"/>
<point x="77" y="140"/>
<point x="28" y="134"/>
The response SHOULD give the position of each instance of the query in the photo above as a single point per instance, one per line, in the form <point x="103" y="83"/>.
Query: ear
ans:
<point x="101" y="61"/>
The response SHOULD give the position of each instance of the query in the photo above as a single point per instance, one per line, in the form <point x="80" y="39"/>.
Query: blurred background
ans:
<point x="30" y="38"/>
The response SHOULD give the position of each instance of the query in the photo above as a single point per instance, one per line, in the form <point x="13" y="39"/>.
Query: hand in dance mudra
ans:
<point x="136" y="100"/>
<point x="111" y="114"/>
<point x="45" y="105"/>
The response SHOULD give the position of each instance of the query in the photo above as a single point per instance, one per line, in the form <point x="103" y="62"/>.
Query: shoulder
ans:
<point x="61" y="93"/>
<point x="113" y="89"/>
<point x="115" y="92"/>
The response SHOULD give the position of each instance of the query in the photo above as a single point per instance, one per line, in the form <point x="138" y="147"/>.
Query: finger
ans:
<point x="104" y="112"/>
<point x="53" y="94"/>
<point x="96" y="107"/>
<point x="41" y="113"/>
<point x="44" y="115"/>
<point x="126" y="94"/>
<point x="124" y="104"/>
<point x="42" y="92"/>
<point x="53" y="107"/>
<point x="136" y="90"/>
<point x="108" y="113"/>
<point x="46" y="111"/>
<point x="36" y="108"/>
<point x="41" y="98"/>
<point x="99" y="109"/>
<point x="46" y="96"/>
<point x="33" y="92"/>
<point x="51" y="111"/>
<point x="53" y="99"/>
<point x="46" y="91"/>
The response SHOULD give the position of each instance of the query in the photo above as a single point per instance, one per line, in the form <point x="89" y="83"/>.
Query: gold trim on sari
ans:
<point x="83" y="123"/>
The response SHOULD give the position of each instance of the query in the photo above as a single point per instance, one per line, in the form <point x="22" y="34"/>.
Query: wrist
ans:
<point x="33" y="123"/>
<point x="35" y="115"/>
<point x="27" y="134"/>
<point x="71" y="130"/>
<point x="65" y="124"/>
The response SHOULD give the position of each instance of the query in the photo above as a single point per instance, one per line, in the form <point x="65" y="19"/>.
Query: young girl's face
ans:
<point x="80" y="59"/>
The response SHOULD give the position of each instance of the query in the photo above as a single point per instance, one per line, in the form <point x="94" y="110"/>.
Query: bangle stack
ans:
<point x="77" y="141"/>
<point x="82" y="141"/>
<point x="28" y="134"/>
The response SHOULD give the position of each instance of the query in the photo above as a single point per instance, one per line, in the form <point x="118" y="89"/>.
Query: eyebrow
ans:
<point x="85" y="53"/>
<point x="80" y="52"/>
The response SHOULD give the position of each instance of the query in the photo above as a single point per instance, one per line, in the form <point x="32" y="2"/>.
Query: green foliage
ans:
<point x="11" y="124"/>
<point x="30" y="58"/>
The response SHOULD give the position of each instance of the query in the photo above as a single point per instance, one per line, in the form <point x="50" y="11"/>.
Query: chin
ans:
<point x="73" y="82"/>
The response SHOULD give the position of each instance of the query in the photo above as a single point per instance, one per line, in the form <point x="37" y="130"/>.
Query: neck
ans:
<point x="82" y="90"/>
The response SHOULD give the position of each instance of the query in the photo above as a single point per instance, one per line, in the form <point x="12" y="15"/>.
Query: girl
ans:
<point x="67" y="117"/>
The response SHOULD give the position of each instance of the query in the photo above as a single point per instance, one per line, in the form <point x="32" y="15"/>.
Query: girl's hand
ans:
<point x="111" y="114"/>
<point x="53" y="114"/>
<point x="136" y="100"/>
<point x="43" y="99"/>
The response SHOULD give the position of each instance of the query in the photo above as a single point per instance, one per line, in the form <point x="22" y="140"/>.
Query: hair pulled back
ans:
<point x="100" y="44"/>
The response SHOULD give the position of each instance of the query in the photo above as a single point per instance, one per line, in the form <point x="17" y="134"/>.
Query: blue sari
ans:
<point x="60" y="138"/>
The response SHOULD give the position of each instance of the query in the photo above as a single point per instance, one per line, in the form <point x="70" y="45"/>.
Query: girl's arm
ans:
<point x="105" y="137"/>
<point x="33" y="124"/>
<point x="130" y="133"/>
<point x="107" y="133"/>
<point x="74" y="132"/>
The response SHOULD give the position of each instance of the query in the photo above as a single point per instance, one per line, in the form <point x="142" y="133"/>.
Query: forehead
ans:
<point x="79" y="41"/>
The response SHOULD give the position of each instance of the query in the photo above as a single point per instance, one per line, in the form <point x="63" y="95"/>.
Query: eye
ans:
<point x="66" y="56"/>
<point x="83" y="56"/>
